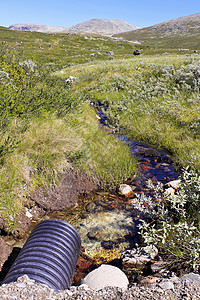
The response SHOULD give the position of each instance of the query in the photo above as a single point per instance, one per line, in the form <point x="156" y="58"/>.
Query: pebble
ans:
<point x="181" y="290"/>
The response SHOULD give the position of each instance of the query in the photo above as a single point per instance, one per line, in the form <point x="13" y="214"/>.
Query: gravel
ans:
<point x="25" y="288"/>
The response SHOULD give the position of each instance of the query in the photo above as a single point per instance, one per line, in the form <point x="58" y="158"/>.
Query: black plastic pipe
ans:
<point x="49" y="256"/>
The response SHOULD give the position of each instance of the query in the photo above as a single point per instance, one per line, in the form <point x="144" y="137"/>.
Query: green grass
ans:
<point x="45" y="129"/>
<point x="44" y="132"/>
<point x="58" y="50"/>
<point x="155" y="99"/>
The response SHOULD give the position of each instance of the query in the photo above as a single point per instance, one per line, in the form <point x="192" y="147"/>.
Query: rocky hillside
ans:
<point x="180" y="32"/>
<point x="103" y="26"/>
<point x="107" y="27"/>
<point x="38" y="28"/>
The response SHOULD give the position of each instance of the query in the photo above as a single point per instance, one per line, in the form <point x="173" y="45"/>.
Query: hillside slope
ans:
<point x="102" y="26"/>
<point x="182" y="32"/>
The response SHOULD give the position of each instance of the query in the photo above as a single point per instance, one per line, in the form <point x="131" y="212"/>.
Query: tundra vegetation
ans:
<point x="45" y="129"/>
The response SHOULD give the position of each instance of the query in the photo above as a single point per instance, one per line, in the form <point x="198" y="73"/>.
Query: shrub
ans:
<point x="173" y="224"/>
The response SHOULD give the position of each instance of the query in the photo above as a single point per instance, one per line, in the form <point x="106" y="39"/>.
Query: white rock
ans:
<point x="170" y="191"/>
<point x="106" y="275"/>
<point x="174" y="184"/>
<point x="28" y="214"/>
<point x="125" y="190"/>
<point x="70" y="79"/>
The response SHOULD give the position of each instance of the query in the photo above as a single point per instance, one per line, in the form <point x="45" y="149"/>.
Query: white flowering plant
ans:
<point x="172" y="223"/>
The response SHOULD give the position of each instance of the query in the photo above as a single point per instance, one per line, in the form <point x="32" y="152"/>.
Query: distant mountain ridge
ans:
<point x="38" y="28"/>
<point x="182" y="24"/>
<point x="103" y="26"/>
<point x="183" y="31"/>
<point x="108" y="27"/>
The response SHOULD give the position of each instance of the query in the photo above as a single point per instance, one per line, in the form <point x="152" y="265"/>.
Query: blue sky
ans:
<point x="70" y="12"/>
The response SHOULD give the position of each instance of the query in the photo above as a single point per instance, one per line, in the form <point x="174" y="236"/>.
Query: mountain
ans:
<point x="180" y="32"/>
<point x="103" y="26"/>
<point x="107" y="27"/>
<point x="38" y="28"/>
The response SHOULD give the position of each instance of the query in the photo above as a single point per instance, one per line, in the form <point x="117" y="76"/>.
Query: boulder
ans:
<point x="136" y="52"/>
<point x="110" y="52"/>
<point x="70" y="79"/>
<point x="106" y="275"/>
<point x="138" y="258"/>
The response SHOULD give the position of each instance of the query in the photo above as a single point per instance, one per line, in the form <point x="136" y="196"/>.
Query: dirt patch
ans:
<point x="5" y="252"/>
<point x="65" y="194"/>
<point x="41" y="202"/>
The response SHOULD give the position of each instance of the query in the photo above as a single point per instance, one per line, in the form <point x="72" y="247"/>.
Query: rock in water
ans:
<point x="174" y="184"/>
<point x="125" y="190"/>
<point x="139" y="257"/>
<point x="106" y="275"/>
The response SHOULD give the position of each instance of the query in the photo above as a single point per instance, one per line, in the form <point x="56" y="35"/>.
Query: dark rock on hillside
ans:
<point x="136" y="52"/>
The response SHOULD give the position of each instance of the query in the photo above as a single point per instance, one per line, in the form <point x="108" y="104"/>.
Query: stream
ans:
<point x="107" y="222"/>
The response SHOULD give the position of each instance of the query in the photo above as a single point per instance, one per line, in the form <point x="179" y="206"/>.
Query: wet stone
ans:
<point x="95" y="235"/>
<point x="91" y="207"/>
<point x="108" y="245"/>
<point x="151" y="153"/>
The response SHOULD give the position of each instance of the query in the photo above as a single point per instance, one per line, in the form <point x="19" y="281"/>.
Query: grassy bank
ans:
<point x="44" y="132"/>
<point x="46" y="128"/>
<point x="155" y="99"/>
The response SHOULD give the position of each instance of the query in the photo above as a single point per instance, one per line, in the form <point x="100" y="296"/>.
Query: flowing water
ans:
<point x="107" y="222"/>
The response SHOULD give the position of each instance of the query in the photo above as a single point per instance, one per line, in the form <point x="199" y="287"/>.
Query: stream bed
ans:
<point x="107" y="222"/>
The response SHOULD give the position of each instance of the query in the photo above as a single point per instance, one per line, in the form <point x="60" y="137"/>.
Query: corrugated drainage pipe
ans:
<point x="49" y="256"/>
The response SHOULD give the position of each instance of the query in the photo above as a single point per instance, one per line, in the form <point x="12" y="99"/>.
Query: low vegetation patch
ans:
<point x="156" y="100"/>
<point x="172" y="222"/>
<point x="45" y="131"/>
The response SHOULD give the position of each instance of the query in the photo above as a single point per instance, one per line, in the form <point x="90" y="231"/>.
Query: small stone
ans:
<point x="91" y="207"/>
<point x="149" y="280"/>
<point x="169" y="192"/>
<point x="166" y="285"/>
<point x="125" y="190"/>
<point x="139" y="257"/>
<point x="174" y="184"/>
<point x="158" y="266"/>
<point x="110" y="52"/>
<point x="108" y="245"/>
<point x="70" y="79"/>
<point x="28" y="214"/>
<point x="5" y="251"/>
<point x="95" y="235"/>
<point x="191" y="277"/>
<point x="21" y="284"/>
<point x="84" y="286"/>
